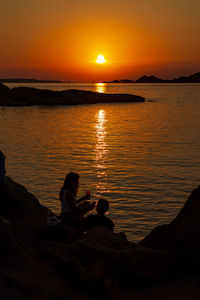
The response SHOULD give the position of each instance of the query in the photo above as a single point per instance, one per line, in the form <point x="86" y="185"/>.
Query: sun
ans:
<point x="100" y="59"/>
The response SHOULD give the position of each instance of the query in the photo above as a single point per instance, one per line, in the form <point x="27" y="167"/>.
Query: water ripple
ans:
<point x="144" y="158"/>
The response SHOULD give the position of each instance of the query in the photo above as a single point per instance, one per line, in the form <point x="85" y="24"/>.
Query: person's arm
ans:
<point x="86" y="197"/>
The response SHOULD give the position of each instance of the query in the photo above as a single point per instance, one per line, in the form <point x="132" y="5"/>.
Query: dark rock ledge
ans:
<point x="98" y="265"/>
<point x="25" y="96"/>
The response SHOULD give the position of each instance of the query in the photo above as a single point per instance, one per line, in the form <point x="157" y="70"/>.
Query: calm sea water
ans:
<point x="144" y="158"/>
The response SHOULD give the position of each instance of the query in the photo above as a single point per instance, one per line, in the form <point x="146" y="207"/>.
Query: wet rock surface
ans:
<point x="99" y="264"/>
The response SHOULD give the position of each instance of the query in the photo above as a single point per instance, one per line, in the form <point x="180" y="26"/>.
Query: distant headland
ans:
<point x="193" y="78"/>
<point x="28" y="80"/>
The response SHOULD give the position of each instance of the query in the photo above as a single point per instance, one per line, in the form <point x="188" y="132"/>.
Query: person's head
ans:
<point x="102" y="206"/>
<point x="71" y="183"/>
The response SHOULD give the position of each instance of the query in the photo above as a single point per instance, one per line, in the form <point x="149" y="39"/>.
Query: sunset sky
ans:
<point x="61" y="39"/>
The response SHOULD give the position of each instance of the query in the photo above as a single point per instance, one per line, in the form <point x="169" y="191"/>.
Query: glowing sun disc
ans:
<point x="100" y="59"/>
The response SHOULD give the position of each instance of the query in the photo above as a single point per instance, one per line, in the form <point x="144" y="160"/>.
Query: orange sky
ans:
<point x="61" y="40"/>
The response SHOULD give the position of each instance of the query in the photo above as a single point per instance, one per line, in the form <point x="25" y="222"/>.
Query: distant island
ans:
<point x="28" y="80"/>
<point x="194" y="78"/>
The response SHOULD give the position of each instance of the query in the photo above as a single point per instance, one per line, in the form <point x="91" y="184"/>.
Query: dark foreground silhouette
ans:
<point x="100" y="264"/>
<point x="25" y="96"/>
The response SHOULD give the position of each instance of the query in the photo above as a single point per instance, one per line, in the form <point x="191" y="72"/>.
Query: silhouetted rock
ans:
<point x="100" y="264"/>
<point x="183" y="232"/>
<point x="149" y="79"/>
<point x="4" y="90"/>
<point x="24" y="96"/>
<point x="21" y="207"/>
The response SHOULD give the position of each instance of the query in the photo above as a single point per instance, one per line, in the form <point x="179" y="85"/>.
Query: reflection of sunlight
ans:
<point x="100" y="87"/>
<point x="101" y="147"/>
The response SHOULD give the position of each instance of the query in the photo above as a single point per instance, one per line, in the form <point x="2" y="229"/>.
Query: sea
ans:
<point x="144" y="158"/>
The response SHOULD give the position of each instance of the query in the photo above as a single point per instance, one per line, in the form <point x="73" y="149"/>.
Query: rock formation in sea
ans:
<point x="4" y="90"/>
<point x="98" y="265"/>
<point x="25" y="96"/>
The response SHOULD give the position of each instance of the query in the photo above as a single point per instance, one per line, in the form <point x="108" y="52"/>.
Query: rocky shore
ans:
<point x="26" y="96"/>
<point x="98" y="265"/>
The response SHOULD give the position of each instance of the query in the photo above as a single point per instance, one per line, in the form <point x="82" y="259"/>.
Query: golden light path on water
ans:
<point x="142" y="157"/>
<point x="101" y="150"/>
<point x="100" y="87"/>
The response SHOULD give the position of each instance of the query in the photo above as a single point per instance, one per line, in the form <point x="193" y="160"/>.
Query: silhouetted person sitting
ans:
<point x="71" y="222"/>
<point x="100" y="219"/>
<point x="71" y="207"/>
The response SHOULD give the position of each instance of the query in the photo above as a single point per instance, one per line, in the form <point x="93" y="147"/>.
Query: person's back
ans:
<point x="100" y="219"/>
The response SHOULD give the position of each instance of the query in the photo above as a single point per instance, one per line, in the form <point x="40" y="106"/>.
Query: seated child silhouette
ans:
<point x="100" y="219"/>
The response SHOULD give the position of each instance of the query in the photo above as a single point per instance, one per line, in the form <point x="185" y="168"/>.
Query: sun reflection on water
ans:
<point x="101" y="149"/>
<point x="100" y="87"/>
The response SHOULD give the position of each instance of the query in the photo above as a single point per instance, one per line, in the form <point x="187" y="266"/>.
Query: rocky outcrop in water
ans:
<point x="4" y="90"/>
<point x="98" y="265"/>
<point x="25" y="96"/>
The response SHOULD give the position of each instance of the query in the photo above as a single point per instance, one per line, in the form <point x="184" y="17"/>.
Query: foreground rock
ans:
<point x="25" y="96"/>
<point x="98" y="265"/>
<point x="183" y="233"/>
